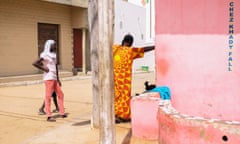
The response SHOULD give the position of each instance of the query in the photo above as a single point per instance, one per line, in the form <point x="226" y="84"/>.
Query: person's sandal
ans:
<point x="117" y="120"/>
<point x="121" y="120"/>
<point x="51" y="119"/>
<point x="63" y="116"/>
<point x="41" y="112"/>
<point x="125" y="120"/>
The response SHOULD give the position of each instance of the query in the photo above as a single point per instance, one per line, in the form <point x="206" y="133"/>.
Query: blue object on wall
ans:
<point x="163" y="91"/>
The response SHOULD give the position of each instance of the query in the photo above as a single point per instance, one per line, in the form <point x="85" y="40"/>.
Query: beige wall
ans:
<point x="18" y="34"/>
<point x="78" y="13"/>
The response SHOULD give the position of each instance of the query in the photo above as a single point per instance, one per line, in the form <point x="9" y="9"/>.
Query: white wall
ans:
<point x="150" y="18"/>
<point x="131" y="18"/>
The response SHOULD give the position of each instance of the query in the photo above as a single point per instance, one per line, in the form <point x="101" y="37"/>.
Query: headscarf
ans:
<point x="46" y="52"/>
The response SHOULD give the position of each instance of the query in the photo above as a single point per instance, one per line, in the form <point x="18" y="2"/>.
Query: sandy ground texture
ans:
<point x="21" y="124"/>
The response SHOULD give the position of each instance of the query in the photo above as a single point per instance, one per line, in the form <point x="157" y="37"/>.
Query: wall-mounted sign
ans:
<point x="231" y="36"/>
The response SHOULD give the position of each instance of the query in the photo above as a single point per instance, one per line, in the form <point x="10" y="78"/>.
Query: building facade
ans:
<point x="197" y="56"/>
<point x="25" y="25"/>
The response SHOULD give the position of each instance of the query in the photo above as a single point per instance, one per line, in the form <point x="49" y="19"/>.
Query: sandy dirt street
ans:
<point x="19" y="119"/>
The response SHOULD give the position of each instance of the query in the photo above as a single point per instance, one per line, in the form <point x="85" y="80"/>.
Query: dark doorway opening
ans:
<point x="45" y="32"/>
<point x="77" y="49"/>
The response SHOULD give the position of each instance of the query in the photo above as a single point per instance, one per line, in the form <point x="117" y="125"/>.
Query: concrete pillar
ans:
<point x="84" y="35"/>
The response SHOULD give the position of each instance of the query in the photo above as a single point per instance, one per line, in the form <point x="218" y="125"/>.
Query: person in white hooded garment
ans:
<point x="48" y="64"/>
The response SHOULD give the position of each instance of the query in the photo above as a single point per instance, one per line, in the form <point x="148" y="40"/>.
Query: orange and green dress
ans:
<point x="123" y="58"/>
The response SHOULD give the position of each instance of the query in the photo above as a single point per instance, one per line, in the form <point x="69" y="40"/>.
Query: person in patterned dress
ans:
<point x="123" y="56"/>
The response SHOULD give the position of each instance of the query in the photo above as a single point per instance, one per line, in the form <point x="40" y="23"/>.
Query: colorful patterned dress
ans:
<point x="123" y="59"/>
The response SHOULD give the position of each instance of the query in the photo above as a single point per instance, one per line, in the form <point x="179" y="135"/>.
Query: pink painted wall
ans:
<point x="178" y="130"/>
<point x="192" y="52"/>
<point x="144" y="111"/>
